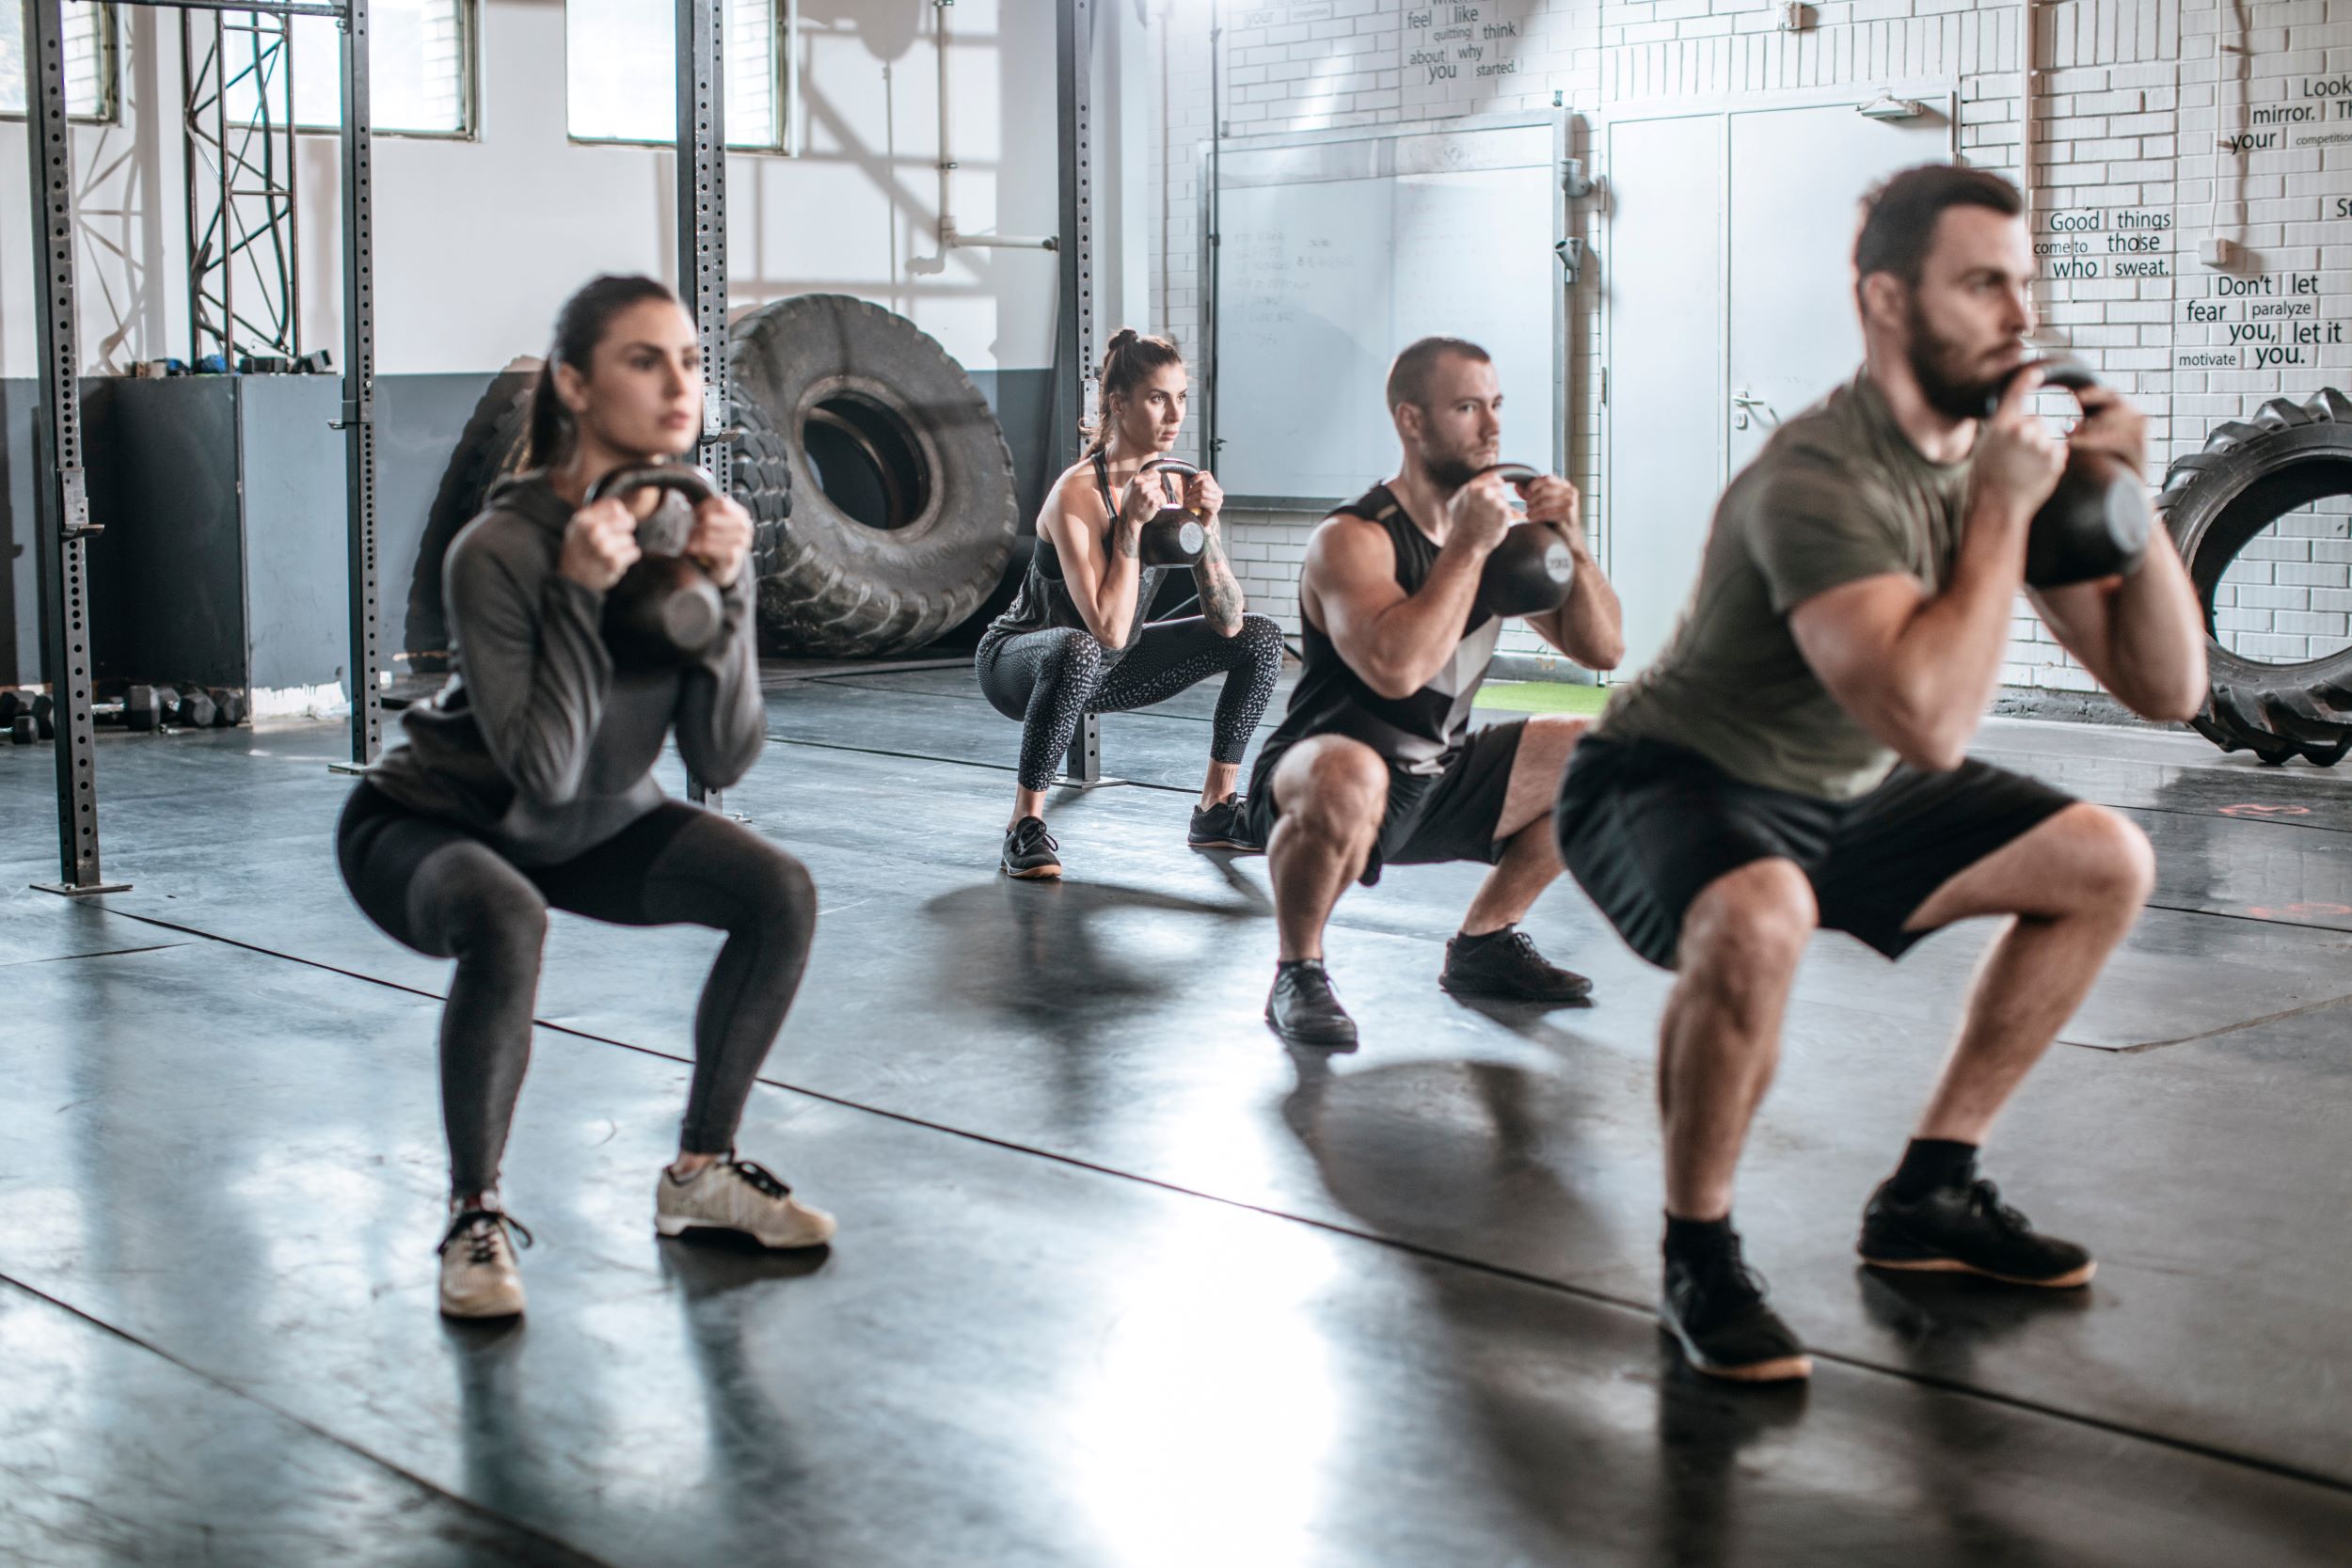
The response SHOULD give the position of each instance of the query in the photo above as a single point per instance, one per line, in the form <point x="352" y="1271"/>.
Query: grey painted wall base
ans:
<point x="179" y="585"/>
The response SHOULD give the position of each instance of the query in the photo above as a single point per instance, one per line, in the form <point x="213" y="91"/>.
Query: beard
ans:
<point x="1940" y="367"/>
<point x="1449" y="467"/>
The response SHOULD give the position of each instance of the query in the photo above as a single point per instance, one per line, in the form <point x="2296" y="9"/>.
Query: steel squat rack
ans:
<point x="61" y="506"/>
<point x="62" y="523"/>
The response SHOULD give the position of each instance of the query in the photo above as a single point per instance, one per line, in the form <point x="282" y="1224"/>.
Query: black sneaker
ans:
<point x="1504" y="963"/>
<point x="1223" y="826"/>
<point x="1967" y="1230"/>
<point x="1029" y="852"/>
<point x="1302" y="1009"/>
<point x="1714" y="1308"/>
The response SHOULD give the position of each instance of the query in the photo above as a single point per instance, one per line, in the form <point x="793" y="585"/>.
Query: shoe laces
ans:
<point x="1727" y="1278"/>
<point x="1985" y="1198"/>
<point x="481" y="1228"/>
<point x="1029" y="832"/>
<point x="759" y="1178"/>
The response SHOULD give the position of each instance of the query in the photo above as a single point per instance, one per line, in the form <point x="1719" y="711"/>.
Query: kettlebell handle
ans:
<point x="2066" y="374"/>
<point x="687" y="479"/>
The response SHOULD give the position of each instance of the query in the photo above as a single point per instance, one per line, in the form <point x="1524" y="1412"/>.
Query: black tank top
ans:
<point x="1416" y="733"/>
<point x="1044" y="598"/>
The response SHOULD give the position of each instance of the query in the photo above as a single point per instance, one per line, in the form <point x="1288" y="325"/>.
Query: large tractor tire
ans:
<point x="2250" y="473"/>
<point x="904" y="511"/>
<point x="491" y="448"/>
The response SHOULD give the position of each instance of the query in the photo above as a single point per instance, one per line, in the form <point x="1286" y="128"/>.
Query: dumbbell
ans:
<point x="2096" y="524"/>
<point x="37" y="707"/>
<point x="1175" y="537"/>
<point x="665" y="611"/>
<point x="139" y="708"/>
<point x="229" y="707"/>
<point x="1530" y="568"/>
<point x="196" y="709"/>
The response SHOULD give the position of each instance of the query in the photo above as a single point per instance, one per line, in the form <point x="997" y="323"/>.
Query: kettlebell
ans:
<point x="665" y="611"/>
<point x="1175" y="537"/>
<point x="2096" y="522"/>
<point x="1530" y="568"/>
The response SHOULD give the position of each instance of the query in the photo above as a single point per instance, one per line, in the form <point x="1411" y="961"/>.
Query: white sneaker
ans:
<point x="479" y="1278"/>
<point x="736" y="1195"/>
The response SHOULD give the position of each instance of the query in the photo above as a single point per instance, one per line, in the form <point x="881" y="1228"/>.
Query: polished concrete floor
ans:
<point x="1122" y="1281"/>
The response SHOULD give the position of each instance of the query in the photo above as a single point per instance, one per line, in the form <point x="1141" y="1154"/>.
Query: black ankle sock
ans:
<point x="1463" y="940"/>
<point x="1930" y="1163"/>
<point x="1696" y="1238"/>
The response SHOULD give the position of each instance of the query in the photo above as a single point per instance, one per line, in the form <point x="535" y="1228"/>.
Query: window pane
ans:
<point x="88" y="61"/>
<point x="416" y="69"/>
<point x="621" y="66"/>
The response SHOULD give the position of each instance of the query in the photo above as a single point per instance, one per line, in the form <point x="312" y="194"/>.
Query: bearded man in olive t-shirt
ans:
<point x="1796" y="760"/>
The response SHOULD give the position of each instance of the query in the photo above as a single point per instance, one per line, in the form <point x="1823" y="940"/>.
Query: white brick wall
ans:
<point x="2134" y="99"/>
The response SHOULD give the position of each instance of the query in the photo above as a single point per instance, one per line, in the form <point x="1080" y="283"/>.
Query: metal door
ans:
<point x="1663" y="277"/>
<point x="1729" y="306"/>
<point x="1796" y="178"/>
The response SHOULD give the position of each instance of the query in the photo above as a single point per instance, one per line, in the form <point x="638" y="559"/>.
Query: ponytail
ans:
<point x="580" y="326"/>
<point x="1127" y="363"/>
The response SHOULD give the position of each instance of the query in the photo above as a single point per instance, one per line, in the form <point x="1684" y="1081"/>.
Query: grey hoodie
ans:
<point x="538" y="744"/>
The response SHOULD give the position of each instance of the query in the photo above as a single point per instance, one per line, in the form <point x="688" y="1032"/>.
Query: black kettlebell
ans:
<point x="2096" y="522"/>
<point x="1530" y="568"/>
<point x="665" y="610"/>
<point x="1175" y="537"/>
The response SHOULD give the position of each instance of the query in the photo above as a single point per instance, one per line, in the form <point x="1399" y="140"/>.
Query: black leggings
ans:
<point x="436" y="888"/>
<point x="1049" y="677"/>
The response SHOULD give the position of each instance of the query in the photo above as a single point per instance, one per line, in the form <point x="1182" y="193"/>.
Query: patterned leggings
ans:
<point x="1049" y="678"/>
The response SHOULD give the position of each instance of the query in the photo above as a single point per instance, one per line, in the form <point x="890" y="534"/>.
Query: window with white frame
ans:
<point x="420" y="68"/>
<point x="620" y="70"/>
<point x="89" y="60"/>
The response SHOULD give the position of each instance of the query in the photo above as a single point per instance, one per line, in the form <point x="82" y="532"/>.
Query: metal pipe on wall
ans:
<point x="950" y="238"/>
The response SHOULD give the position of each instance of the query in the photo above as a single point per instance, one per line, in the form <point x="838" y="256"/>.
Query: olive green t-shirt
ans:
<point x="1838" y="495"/>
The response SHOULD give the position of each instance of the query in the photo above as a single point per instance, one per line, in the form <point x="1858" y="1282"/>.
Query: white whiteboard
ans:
<point x="1337" y="251"/>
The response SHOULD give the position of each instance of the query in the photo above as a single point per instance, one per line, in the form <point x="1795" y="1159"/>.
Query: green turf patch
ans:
<point x="1542" y="697"/>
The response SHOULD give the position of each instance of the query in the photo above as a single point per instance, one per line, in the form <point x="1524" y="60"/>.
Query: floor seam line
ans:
<point x="457" y="1499"/>
<point x="1415" y="1249"/>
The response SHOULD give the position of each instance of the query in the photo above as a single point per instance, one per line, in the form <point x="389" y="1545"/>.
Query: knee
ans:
<point x="1261" y="642"/>
<point x="504" y="921"/>
<point x="1339" y="794"/>
<point x="1747" y="932"/>
<point x="1077" y="661"/>
<point x="779" y="892"/>
<point x="2118" y="866"/>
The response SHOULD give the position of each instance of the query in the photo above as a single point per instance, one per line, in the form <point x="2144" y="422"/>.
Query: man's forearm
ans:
<point x="1948" y="660"/>
<point x="2157" y="638"/>
<point x="1415" y="636"/>
<point x="1589" y="626"/>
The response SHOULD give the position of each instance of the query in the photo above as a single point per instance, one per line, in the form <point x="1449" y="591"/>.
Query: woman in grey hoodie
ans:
<point x="528" y="785"/>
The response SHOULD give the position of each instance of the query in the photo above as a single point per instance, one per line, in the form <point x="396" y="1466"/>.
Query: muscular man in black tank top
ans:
<point x="1375" y="762"/>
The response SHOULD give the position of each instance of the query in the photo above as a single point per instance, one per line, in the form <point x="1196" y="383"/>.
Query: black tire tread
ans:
<point x="2278" y="712"/>
<point x="811" y="600"/>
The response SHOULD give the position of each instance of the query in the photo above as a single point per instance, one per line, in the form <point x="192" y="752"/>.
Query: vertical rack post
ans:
<point x="61" y="501"/>
<point x="1073" y="337"/>
<point x="702" y="209"/>
<point x="358" y="420"/>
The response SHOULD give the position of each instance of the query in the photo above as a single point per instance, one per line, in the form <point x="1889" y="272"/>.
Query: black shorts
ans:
<point x="1645" y="826"/>
<point x="1447" y="815"/>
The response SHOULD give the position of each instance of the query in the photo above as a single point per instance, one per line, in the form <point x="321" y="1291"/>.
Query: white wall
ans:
<point x="2126" y="117"/>
<point x="477" y="242"/>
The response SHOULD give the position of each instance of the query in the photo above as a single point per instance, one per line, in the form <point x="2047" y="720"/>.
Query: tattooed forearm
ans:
<point x="1128" y="542"/>
<point x="1220" y="591"/>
